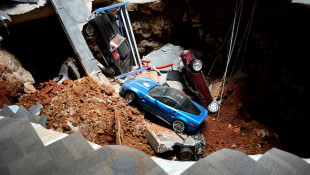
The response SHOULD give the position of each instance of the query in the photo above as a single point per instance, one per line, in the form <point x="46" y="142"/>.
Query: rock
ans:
<point x="14" y="79"/>
<point x="259" y="133"/>
<point x="216" y="90"/>
<point x="263" y="133"/>
<point x="237" y="130"/>
<point x="229" y="126"/>
<point x="66" y="127"/>
<point x="84" y="131"/>
<point x="100" y="132"/>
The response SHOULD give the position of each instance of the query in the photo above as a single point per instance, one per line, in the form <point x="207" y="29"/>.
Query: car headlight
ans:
<point x="197" y="65"/>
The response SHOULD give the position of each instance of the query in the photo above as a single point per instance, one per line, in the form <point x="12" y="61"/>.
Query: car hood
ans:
<point x="142" y="83"/>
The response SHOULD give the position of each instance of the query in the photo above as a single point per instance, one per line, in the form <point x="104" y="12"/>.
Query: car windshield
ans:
<point x="184" y="103"/>
<point x="158" y="91"/>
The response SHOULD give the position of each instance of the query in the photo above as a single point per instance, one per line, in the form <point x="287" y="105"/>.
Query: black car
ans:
<point x="107" y="44"/>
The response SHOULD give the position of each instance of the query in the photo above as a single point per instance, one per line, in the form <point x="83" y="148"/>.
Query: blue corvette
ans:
<point x="169" y="104"/>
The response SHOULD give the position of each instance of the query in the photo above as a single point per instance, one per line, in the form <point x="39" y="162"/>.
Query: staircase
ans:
<point x="23" y="152"/>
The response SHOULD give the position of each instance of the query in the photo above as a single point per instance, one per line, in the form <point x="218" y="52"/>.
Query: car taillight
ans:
<point x="116" y="55"/>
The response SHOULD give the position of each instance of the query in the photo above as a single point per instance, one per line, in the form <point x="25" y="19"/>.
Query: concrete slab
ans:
<point x="72" y="13"/>
<point x="165" y="55"/>
<point x="14" y="8"/>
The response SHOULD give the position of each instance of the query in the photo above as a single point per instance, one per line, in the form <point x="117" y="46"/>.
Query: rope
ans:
<point x="219" y="50"/>
<point x="233" y="38"/>
<point x="246" y="35"/>
<point x="236" y="12"/>
<point x="246" y="43"/>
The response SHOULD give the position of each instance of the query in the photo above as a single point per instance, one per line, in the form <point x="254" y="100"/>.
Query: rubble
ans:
<point x="14" y="79"/>
<point x="91" y="108"/>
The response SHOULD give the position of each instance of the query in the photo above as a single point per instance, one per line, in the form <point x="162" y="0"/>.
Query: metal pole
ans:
<point x="128" y="37"/>
<point x="111" y="6"/>
<point x="133" y="36"/>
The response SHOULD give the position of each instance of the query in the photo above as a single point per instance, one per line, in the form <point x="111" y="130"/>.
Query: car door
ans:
<point x="166" y="108"/>
<point x="149" y="103"/>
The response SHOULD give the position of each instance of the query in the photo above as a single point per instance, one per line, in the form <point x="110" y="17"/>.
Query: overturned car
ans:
<point x="107" y="44"/>
<point x="195" y="78"/>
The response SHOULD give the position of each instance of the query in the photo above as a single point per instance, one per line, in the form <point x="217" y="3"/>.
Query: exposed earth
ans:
<point x="89" y="107"/>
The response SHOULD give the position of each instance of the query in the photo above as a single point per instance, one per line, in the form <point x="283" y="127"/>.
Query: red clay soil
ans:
<point x="232" y="131"/>
<point x="10" y="86"/>
<point x="84" y="105"/>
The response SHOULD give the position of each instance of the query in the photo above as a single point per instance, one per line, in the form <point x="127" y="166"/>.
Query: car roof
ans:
<point x="176" y="95"/>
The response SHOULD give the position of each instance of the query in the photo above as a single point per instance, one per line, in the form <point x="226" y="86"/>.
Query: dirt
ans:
<point x="92" y="109"/>
<point x="14" y="79"/>
<point x="10" y="86"/>
<point x="234" y="130"/>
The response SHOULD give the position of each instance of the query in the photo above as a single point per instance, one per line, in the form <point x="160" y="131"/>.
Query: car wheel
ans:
<point x="196" y="65"/>
<point x="186" y="154"/>
<point x="90" y="30"/>
<point x="213" y="107"/>
<point x="111" y="71"/>
<point x="178" y="126"/>
<point x="130" y="97"/>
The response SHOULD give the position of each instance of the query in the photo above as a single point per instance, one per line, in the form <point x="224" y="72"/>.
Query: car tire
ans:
<point x="178" y="126"/>
<point x="186" y="154"/>
<point x="213" y="107"/>
<point x="111" y="70"/>
<point x="196" y="65"/>
<point x="131" y="97"/>
<point x="90" y="30"/>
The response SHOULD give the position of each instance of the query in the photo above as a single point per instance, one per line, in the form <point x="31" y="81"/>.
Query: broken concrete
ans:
<point x="71" y="15"/>
<point x="163" y="139"/>
<point x="165" y="55"/>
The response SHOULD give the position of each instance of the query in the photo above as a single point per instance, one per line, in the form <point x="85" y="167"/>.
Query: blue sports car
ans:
<point x="169" y="104"/>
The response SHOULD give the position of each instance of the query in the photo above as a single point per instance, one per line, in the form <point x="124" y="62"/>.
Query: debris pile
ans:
<point x="14" y="79"/>
<point x="234" y="130"/>
<point x="92" y="109"/>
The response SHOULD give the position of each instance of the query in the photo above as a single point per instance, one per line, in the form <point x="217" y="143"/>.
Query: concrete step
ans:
<point x="42" y="120"/>
<point x="113" y="160"/>
<point x="35" y="109"/>
<point x="226" y="161"/>
<point x="22" y="112"/>
<point x="37" y="162"/>
<point x="281" y="162"/>
<point x="7" y="112"/>
<point x="69" y="149"/>
<point x="22" y="133"/>
<point x="10" y="152"/>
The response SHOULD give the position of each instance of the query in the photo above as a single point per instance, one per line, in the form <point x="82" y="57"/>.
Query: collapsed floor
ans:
<point x="89" y="107"/>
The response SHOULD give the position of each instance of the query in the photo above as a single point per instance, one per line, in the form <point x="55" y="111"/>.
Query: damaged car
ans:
<point x="195" y="78"/>
<point x="111" y="49"/>
<point x="68" y="71"/>
<point x="168" y="104"/>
